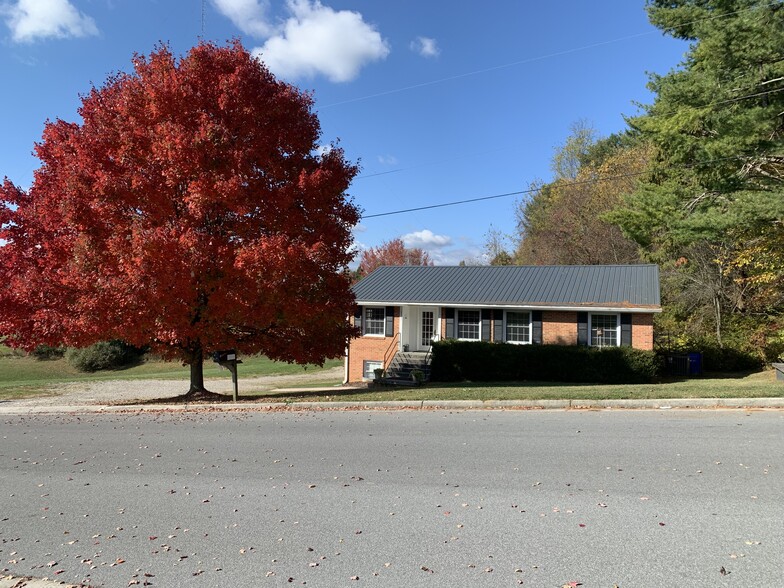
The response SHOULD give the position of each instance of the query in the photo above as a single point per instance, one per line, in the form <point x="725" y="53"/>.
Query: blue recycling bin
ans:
<point x="695" y="364"/>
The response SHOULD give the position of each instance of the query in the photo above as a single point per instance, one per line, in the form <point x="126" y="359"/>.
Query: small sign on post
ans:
<point x="228" y="359"/>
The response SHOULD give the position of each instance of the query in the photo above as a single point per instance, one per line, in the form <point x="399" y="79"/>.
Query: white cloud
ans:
<point x="426" y="239"/>
<point x="387" y="160"/>
<point x="249" y="16"/>
<point x="455" y="256"/>
<point x="318" y="40"/>
<point x="426" y="47"/>
<point x="40" y="19"/>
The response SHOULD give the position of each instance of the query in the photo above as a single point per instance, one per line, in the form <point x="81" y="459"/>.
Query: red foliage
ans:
<point x="392" y="252"/>
<point x="190" y="211"/>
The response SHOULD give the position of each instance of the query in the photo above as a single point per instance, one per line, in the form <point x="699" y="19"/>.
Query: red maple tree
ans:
<point x="190" y="211"/>
<point x="392" y="252"/>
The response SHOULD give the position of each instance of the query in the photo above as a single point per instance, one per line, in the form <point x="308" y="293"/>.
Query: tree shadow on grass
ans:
<point x="276" y="398"/>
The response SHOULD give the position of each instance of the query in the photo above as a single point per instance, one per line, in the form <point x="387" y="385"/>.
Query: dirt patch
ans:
<point x="125" y="391"/>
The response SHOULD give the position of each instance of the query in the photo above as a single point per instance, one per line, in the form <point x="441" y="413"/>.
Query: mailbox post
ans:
<point x="228" y="359"/>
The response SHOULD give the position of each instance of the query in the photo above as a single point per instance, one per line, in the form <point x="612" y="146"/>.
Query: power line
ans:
<point x="711" y="104"/>
<point x="455" y="203"/>
<point x="532" y="190"/>
<point x="667" y="113"/>
<point x="429" y="163"/>
<point x="739" y="98"/>
<point x="534" y="59"/>
<point x="485" y="70"/>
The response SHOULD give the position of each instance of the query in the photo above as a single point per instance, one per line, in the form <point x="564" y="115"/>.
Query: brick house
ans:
<point x="403" y="309"/>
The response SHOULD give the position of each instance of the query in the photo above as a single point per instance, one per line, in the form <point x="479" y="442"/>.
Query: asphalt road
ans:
<point x="475" y="498"/>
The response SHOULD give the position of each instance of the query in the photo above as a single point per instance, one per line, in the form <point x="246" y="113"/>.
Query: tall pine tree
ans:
<point x="715" y="202"/>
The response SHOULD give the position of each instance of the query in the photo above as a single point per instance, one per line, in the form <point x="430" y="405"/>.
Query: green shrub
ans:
<point x="733" y="357"/>
<point x="481" y="361"/>
<point x="43" y="352"/>
<point x="104" y="355"/>
<point x="728" y="359"/>
<point x="10" y="352"/>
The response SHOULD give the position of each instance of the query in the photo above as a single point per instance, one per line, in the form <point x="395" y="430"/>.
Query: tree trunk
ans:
<point x="197" y="372"/>
<point x="717" y="313"/>
<point x="717" y="303"/>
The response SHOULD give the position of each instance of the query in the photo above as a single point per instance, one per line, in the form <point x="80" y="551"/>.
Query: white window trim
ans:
<point x="365" y="368"/>
<point x="364" y="322"/>
<point x="530" y="326"/>
<point x="617" y="328"/>
<point x="457" y="323"/>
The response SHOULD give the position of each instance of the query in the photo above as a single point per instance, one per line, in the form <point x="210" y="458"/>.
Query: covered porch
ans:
<point x="419" y="326"/>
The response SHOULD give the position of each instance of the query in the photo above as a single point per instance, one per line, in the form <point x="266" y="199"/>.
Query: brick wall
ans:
<point x="559" y="327"/>
<point x="642" y="331"/>
<point x="443" y="323"/>
<point x="369" y="348"/>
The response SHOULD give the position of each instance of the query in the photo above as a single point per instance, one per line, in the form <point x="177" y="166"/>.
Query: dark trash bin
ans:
<point x="695" y="364"/>
<point x="685" y="364"/>
<point x="678" y="364"/>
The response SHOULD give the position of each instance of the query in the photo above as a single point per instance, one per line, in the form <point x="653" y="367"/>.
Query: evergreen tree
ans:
<point x="717" y="181"/>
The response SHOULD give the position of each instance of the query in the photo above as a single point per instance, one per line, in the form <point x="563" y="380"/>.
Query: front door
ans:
<point x="427" y="325"/>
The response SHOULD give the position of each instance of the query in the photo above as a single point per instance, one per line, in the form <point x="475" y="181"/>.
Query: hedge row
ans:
<point x="105" y="355"/>
<point x="728" y="359"/>
<point x="482" y="362"/>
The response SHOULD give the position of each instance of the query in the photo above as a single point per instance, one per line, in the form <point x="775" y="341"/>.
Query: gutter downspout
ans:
<point x="345" y="367"/>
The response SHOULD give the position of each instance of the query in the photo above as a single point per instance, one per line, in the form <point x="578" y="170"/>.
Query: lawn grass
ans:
<point x="749" y="385"/>
<point x="26" y="376"/>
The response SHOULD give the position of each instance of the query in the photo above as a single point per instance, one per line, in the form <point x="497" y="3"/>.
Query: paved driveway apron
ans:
<point x="469" y="498"/>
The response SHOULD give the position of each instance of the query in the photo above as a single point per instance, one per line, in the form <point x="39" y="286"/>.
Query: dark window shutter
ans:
<point x="486" y="314"/>
<point x="536" y="327"/>
<point x="582" y="328"/>
<point x="358" y="312"/>
<point x="389" y="328"/>
<point x="626" y="329"/>
<point x="498" y="326"/>
<point x="449" y="315"/>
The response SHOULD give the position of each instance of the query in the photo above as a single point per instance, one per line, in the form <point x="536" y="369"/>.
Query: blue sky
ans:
<point x="439" y="101"/>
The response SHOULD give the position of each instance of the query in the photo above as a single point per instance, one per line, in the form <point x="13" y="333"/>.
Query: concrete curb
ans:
<point x="652" y="404"/>
<point x="27" y="582"/>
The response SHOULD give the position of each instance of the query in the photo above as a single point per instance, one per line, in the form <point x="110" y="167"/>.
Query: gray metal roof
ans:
<point x="614" y="286"/>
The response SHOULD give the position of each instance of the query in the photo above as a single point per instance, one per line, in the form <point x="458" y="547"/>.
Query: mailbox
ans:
<point x="225" y="356"/>
<point x="228" y="359"/>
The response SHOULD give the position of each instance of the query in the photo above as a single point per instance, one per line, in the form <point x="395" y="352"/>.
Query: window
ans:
<point x="604" y="330"/>
<point x="374" y="322"/>
<point x="368" y="366"/>
<point x="518" y="327"/>
<point x="468" y="322"/>
<point x="426" y="336"/>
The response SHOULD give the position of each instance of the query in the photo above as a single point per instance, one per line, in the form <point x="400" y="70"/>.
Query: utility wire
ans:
<point x="455" y="203"/>
<point x="429" y="163"/>
<point x="532" y="190"/>
<point x="485" y="70"/>
<point x="649" y="108"/>
<point x="533" y="59"/>
<point x="672" y="111"/>
<point x="739" y="98"/>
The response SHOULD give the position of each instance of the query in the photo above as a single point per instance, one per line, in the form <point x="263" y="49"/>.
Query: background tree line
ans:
<point x="693" y="184"/>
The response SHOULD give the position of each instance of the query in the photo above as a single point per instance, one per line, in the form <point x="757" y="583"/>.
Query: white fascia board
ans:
<point x="636" y="309"/>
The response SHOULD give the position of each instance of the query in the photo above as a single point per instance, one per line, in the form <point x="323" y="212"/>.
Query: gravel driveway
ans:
<point x="119" y="391"/>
